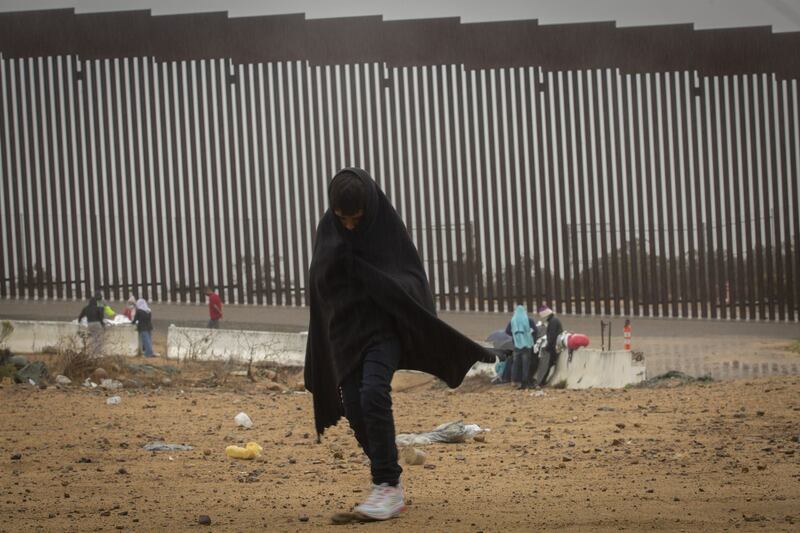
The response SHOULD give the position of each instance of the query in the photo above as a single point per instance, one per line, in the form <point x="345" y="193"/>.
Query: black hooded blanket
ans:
<point x="379" y="258"/>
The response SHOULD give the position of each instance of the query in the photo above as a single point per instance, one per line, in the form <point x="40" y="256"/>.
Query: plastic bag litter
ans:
<point x="159" y="446"/>
<point x="243" y="420"/>
<point x="250" y="451"/>
<point x="447" y="432"/>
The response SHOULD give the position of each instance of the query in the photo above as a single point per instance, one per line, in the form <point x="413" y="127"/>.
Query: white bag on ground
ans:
<point x="243" y="420"/>
<point x="447" y="432"/>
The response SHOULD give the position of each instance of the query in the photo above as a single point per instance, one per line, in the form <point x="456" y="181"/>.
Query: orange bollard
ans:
<point x="626" y="333"/>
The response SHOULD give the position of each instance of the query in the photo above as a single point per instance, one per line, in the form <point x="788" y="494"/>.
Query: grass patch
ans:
<point x="7" y="371"/>
<point x="672" y="378"/>
<point x="794" y="347"/>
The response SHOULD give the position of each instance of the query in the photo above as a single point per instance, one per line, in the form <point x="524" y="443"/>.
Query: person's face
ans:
<point x="350" y="222"/>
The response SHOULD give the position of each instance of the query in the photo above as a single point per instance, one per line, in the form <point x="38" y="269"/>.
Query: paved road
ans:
<point x="722" y="349"/>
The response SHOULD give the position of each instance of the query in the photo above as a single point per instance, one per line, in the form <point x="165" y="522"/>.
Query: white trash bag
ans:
<point x="243" y="420"/>
<point x="447" y="432"/>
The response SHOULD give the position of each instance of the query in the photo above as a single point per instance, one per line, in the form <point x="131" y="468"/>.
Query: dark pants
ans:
<point x="213" y="323"/>
<point x="506" y="376"/>
<point x="366" y="393"/>
<point x="521" y="372"/>
<point x="547" y="360"/>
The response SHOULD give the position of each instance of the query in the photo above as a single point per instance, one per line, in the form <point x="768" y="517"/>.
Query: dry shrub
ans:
<point x="75" y="358"/>
<point x="6" y="329"/>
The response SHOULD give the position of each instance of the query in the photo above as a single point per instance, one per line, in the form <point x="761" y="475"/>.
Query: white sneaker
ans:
<point x="384" y="503"/>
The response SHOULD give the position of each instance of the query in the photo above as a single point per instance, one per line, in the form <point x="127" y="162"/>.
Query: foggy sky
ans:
<point x="782" y="15"/>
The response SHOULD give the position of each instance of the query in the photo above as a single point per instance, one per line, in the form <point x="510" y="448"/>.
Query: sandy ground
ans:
<point x="714" y="457"/>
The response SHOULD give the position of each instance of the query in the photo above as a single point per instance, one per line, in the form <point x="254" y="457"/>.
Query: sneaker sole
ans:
<point x="368" y="517"/>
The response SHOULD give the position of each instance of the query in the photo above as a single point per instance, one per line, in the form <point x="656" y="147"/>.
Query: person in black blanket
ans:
<point x="372" y="313"/>
<point x="548" y="358"/>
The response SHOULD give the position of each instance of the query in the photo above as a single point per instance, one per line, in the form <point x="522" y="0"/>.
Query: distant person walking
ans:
<point x="143" y="320"/>
<point x="214" y="307"/>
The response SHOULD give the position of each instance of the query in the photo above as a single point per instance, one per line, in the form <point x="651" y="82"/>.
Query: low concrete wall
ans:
<point x="596" y="369"/>
<point x="36" y="336"/>
<point x="588" y="368"/>
<point x="221" y="344"/>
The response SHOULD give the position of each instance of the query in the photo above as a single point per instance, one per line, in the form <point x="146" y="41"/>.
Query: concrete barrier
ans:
<point x="597" y="369"/>
<point x="39" y="336"/>
<point x="588" y="368"/>
<point x="287" y="349"/>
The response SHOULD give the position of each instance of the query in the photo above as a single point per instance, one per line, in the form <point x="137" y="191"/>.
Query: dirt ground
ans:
<point x="685" y="457"/>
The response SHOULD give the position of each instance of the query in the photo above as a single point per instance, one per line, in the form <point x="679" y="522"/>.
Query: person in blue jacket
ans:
<point x="522" y="329"/>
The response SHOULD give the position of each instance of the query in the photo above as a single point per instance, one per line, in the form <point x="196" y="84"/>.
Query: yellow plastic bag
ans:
<point x="250" y="451"/>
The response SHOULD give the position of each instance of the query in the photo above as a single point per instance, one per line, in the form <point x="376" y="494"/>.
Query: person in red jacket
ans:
<point x="214" y="307"/>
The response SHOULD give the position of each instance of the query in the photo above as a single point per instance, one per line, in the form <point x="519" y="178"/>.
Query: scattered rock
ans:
<point x="250" y="477"/>
<point x="99" y="374"/>
<point x="19" y="361"/>
<point x="166" y="382"/>
<point x="16" y="457"/>
<point x="413" y="456"/>
<point x="430" y="466"/>
<point x="760" y="413"/>
<point x="303" y="518"/>
<point x="132" y="384"/>
<point x="620" y="425"/>
<point x="480" y="437"/>
<point x="122" y="471"/>
<point x="110" y="384"/>
<point x="204" y="520"/>
<point x="617" y="442"/>
<point x="84" y="460"/>
<point x="35" y="372"/>
<point x="62" y="380"/>
<point x="273" y="386"/>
